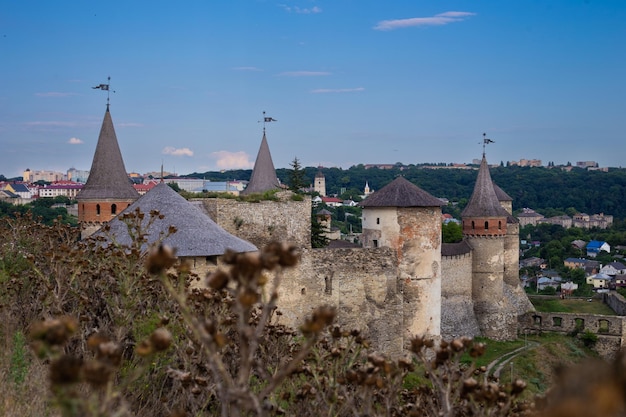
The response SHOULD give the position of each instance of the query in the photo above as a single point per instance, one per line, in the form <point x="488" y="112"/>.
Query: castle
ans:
<point x="403" y="281"/>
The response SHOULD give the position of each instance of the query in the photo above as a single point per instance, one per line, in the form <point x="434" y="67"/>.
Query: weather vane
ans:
<point x="485" y="142"/>
<point x="105" y="87"/>
<point x="267" y="120"/>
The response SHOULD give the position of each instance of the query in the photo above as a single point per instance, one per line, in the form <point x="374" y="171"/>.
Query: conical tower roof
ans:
<point x="107" y="177"/>
<point x="501" y="194"/>
<point x="484" y="201"/>
<point x="264" y="174"/>
<point x="401" y="193"/>
<point x="196" y="235"/>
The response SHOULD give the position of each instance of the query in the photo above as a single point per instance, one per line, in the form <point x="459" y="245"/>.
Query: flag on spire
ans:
<point x="101" y="87"/>
<point x="269" y="119"/>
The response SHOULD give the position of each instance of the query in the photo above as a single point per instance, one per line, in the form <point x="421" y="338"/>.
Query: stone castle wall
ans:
<point x="457" y="307"/>
<point x="616" y="302"/>
<point x="609" y="329"/>
<point x="265" y="221"/>
<point x="361" y="283"/>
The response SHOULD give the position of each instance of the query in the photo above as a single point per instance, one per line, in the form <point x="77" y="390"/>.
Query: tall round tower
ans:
<point x="407" y="219"/>
<point x="485" y="229"/>
<point x="108" y="190"/>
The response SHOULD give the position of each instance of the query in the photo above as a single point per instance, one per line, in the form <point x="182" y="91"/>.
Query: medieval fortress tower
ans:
<point x="404" y="281"/>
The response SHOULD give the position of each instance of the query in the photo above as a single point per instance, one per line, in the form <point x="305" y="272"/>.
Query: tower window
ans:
<point x="499" y="225"/>
<point x="377" y="220"/>
<point x="375" y="243"/>
<point x="113" y="209"/>
<point x="486" y="226"/>
<point x="97" y="209"/>
<point x="473" y="225"/>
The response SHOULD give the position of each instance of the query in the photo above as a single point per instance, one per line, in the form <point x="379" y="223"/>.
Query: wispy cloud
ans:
<point x="247" y="69"/>
<point x="55" y="94"/>
<point x="75" y="141"/>
<point x="303" y="73"/>
<point x="299" y="10"/>
<point x="232" y="160"/>
<point x="337" y="90"/>
<point x="52" y="124"/>
<point x="436" y="20"/>
<point x="170" y="150"/>
<point x="129" y="124"/>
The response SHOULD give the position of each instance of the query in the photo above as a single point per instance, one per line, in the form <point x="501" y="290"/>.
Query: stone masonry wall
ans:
<point x="616" y="302"/>
<point x="361" y="283"/>
<point x="609" y="329"/>
<point x="457" y="306"/>
<point x="265" y="221"/>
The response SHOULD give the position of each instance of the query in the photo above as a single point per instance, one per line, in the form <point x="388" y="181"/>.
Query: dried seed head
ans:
<point x="517" y="387"/>
<point x="161" y="339"/>
<point x="160" y="259"/>
<point x="144" y="348"/>
<point x="96" y="373"/>
<point x="478" y="349"/>
<point x="218" y="280"/>
<point x="65" y="370"/>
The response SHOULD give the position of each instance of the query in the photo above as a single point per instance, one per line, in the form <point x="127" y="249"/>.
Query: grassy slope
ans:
<point x="556" y="305"/>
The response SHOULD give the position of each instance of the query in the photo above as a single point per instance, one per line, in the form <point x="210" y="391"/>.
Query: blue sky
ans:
<point x="348" y="81"/>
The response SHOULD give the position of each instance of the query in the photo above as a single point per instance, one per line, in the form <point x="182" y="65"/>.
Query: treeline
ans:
<point x="538" y="188"/>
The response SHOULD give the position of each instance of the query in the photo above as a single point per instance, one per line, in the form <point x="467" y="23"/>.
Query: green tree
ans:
<point x="296" y="176"/>
<point x="451" y="232"/>
<point x="318" y="235"/>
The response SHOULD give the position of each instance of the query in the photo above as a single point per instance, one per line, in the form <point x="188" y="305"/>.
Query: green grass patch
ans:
<point x="556" y="305"/>
<point x="494" y="350"/>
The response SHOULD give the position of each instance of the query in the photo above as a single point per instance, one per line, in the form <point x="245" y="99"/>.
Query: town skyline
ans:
<point x="347" y="83"/>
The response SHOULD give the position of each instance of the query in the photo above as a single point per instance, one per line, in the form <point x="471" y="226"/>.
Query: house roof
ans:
<point x="484" y="201"/>
<point x="263" y="174"/>
<point x="107" y="177"/>
<point x="454" y="249"/>
<point x="617" y="265"/>
<point x="332" y="200"/>
<point x="595" y="244"/>
<point x="196" y="235"/>
<point x="324" y="212"/>
<point x="401" y="193"/>
<point x="20" y="188"/>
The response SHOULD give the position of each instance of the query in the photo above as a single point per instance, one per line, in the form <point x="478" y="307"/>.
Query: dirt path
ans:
<point x="501" y="361"/>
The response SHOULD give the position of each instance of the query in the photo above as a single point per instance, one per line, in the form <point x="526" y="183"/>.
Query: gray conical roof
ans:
<point x="196" y="235"/>
<point x="263" y="175"/>
<point x="484" y="201"/>
<point x="401" y="193"/>
<point x="107" y="177"/>
<point x="501" y="194"/>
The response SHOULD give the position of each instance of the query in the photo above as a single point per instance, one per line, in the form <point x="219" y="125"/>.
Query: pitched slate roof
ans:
<point x="107" y="177"/>
<point x="401" y="193"/>
<point x="196" y="235"/>
<point x="263" y="174"/>
<point x="502" y="196"/>
<point x="484" y="201"/>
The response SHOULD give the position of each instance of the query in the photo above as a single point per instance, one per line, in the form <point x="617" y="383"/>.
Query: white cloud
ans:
<point x="303" y="73"/>
<point x="75" y="141"/>
<point x="232" y="160"/>
<point x="55" y="94"/>
<point x="129" y="124"/>
<point x="170" y="150"/>
<point x="296" y="9"/>
<point x="247" y="69"/>
<point x="337" y="90"/>
<point x="436" y="20"/>
<point x="52" y="124"/>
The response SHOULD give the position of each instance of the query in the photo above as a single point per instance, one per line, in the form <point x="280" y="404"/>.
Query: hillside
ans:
<point x="537" y="188"/>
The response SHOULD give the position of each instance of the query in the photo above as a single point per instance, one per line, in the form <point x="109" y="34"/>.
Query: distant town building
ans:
<point x="77" y="175"/>
<point x="67" y="189"/>
<point x="586" y="221"/>
<point x="586" y="164"/>
<point x="526" y="163"/>
<point x="529" y="216"/>
<point x="47" y="176"/>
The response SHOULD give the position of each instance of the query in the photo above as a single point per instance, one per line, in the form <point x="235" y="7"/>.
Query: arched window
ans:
<point x="113" y="209"/>
<point x="486" y="225"/>
<point x="97" y="209"/>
